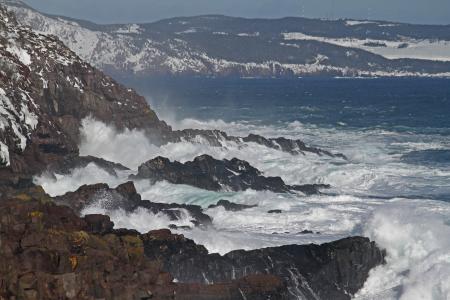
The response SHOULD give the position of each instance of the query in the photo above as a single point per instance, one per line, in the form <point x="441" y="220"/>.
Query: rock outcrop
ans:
<point x="68" y="165"/>
<point x="287" y="145"/>
<point x="230" y="206"/>
<point x="330" y="271"/>
<point x="208" y="173"/>
<point x="50" y="253"/>
<point x="217" y="138"/>
<point x="126" y="197"/>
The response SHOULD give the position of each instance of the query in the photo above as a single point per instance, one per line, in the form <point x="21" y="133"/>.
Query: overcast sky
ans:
<point x="125" y="11"/>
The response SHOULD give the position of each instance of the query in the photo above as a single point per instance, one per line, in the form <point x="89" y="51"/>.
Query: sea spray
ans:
<point x="365" y="199"/>
<point x="416" y="236"/>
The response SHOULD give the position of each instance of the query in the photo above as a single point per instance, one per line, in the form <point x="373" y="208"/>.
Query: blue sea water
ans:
<point x="404" y="104"/>
<point x="406" y="119"/>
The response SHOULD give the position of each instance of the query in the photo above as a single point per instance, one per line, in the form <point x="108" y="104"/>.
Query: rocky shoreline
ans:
<point x="51" y="253"/>
<point x="50" y="250"/>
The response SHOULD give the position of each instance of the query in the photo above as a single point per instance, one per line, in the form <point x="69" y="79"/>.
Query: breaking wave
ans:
<point x="376" y="194"/>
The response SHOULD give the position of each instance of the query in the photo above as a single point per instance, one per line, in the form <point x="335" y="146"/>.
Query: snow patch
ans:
<point x="132" y="28"/>
<point x="4" y="154"/>
<point x="405" y="48"/>
<point x="253" y="34"/>
<point x="356" y="23"/>
<point x="21" y="54"/>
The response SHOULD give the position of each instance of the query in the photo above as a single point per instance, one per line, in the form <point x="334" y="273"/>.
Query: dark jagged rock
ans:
<point x="208" y="173"/>
<point x="67" y="165"/>
<point x="126" y="197"/>
<point x="43" y="243"/>
<point x="199" y="218"/>
<point x="48" y="252"/>
<point x="275" y="211"/>
<point x="310" y="189"/>
<point x="176" y="227"/>
<point x="288" y="145"/>
<point x="335" y="270"/>
<point x="230" y="206"/>
<point x="99" y="224"/>
<point x="216" y="138"/>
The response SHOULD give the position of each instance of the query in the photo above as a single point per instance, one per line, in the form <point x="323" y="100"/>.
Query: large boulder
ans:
<point x="208" y="173"/>
<point x="335" y="270"/>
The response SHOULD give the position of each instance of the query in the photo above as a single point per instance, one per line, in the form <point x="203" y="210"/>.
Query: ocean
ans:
<point x="394" y="188"/>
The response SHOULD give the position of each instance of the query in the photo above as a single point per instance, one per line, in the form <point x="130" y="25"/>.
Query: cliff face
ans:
<point x="45" y="92"/>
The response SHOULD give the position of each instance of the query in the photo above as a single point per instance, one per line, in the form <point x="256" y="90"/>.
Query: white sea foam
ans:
<point x="91" y="174"/>
<point x="414" y="232"/>
<point x="129" y="147"/>
<point x="416" y="235"/>
<point x="141" y="219"/>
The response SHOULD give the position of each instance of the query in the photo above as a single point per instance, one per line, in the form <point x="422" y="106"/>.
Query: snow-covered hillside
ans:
<point x="427" y="49"/>
<point x="46" y="89"/>
<point x="19" y="48"/>
<point x="224" y="46"/>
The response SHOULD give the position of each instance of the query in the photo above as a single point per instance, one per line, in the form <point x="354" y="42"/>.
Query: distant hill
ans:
<point x="218" y="46"/>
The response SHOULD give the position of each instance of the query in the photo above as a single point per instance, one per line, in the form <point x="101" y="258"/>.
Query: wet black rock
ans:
<point x="335" y="270"/>
<point x="126" y="197"/>
<point x="217" y="138"/>
<point x="310" y="189"/>
<point x="230" y="206"/>
<point x="288" y="145"/>
<point x="67" y="165"/>
<point x="208" y="173"/>
<point x="176" y="227"/>
<point x="174" y="211"/>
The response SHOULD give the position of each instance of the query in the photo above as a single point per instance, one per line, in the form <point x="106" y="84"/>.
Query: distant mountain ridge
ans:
<point x="218" y="46"/>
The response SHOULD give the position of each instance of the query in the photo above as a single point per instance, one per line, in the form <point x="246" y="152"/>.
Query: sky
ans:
<point x="139" y="11"/>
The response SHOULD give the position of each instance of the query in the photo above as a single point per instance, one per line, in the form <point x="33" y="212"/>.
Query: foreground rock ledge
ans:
<point x="48" y="252"/>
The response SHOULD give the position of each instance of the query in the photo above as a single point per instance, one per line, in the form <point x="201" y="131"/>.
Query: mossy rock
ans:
<point x="79" y="238"/>
<point x="23" y="197"/>
<point x="134" y="246"/>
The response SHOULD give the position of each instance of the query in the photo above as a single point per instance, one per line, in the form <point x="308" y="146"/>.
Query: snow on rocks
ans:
<point x="4" y="155"/>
